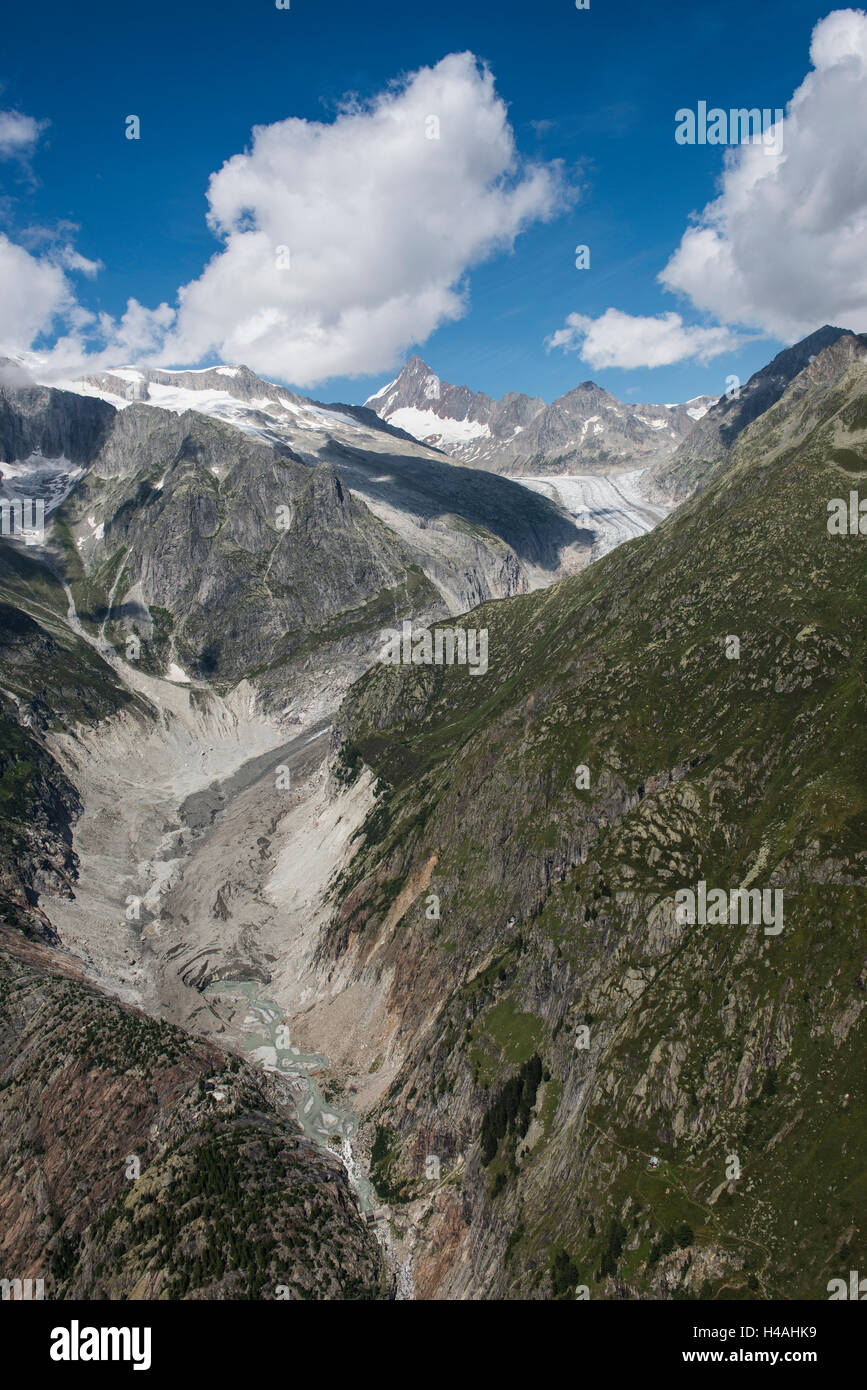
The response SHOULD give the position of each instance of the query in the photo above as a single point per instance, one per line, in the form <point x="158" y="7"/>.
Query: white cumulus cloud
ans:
<point x="345" y="242"/>
<point x="342" y="242"/>
<point x="37" y="299"/>
<point x="33" y="293"/>
<point x="616" y="339"/>
<point x="784" y="246"/>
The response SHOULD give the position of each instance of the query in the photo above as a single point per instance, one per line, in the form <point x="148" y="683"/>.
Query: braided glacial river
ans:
<point x="264" y="1036"/>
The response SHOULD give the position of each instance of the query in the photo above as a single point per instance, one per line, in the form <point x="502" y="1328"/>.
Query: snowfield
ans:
<point x="422" y="424"/>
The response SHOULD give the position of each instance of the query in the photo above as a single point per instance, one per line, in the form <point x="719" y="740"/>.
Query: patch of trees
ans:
<point x="564" y="1275"/>
<point x="510" y="1110"/>
<point x="678" y="1239"/>
<point x="614" y="1242"/>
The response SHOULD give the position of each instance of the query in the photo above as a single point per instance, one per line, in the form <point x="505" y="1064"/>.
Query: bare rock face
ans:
<point x="39" y="420"/>
<point x="263" y="527"/>
<point x="587" y="430"/>
<point x="250" y="555"/>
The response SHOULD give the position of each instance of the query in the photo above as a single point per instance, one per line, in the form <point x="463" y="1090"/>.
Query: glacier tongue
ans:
<point x="611" y="506"/>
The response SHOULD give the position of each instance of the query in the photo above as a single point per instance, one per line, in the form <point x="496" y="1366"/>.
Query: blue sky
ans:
<point x="604" y="83"/>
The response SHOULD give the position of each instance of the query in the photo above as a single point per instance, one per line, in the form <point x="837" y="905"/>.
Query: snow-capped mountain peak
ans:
<point x="586" y="430"/>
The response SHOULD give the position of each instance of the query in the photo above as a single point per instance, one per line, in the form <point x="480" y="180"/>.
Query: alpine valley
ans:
<point x="329" y="978"/>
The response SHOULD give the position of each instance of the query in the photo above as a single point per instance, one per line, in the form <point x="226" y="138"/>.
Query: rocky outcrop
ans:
<point x="242" y="542"/>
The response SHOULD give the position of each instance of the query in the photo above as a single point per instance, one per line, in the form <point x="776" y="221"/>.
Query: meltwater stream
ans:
<point x="264" y="1036"/>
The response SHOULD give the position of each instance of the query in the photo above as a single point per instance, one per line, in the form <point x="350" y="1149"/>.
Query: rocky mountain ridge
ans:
<point x="176" y="526"/>
<point x="587" y="430"/>
<point x="672" y="479"/>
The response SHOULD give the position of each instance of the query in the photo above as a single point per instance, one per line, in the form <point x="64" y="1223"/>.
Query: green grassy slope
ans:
<point x="704" y="1041"/>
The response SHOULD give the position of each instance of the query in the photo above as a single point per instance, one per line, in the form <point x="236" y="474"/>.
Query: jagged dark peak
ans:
<point x="417" y="388"/>
<point x="414" y="371"/>
<point x="798" y="355"/>
<point x="837" y="355"/>
<point x="821" y="357"/>
<point x="586" y="392"/>
<point x="765" y="387"/>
